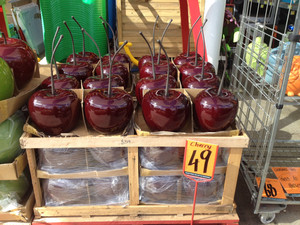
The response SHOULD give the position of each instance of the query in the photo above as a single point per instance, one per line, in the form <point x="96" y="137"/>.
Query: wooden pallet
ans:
<point x="132" y="142"/>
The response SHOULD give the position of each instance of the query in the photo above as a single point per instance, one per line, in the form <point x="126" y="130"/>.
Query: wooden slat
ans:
<point x="146" y="12"/>
<point x="232" y="172"/>
<point x="130" y="210"/>
<point x="133" y="163"/>
<point x="151" y="5"/>
<point x="161" y="219"/>
<point x="35" y="181"/>
<point x="119" y="20"/>
<point x="83" y="175"/>
<point x="151" y="19"/>
<point x="149" y="26"/>
<point x="146" y="172"/>
<point x="129" y="141"/>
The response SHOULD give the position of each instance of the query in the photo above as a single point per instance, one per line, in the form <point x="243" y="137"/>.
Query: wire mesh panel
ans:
<point x="260" y="79"/>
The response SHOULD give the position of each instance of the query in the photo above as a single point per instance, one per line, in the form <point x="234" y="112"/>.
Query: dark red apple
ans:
<point x="160" y="69"/>
<point x="121" y="58"/>
<point x="215" y="112"/>
<point x="147" y="58"/>
<point x="96" y="82"/>
<point x="108" y="114"/>
<point x="149" y="83"/>
<point x="108" y="110"/>
<point x="164" y="109"/>
<point x="20" y="57"/>
<point x="54" y="111"/>
<point x="63" y="82"/>
<point x="89" y="57"/>
<point x="198" y="81"/>
<point x="188" y="56"/>
<point x="117" y="69"/>
<point x="80" y="71"/>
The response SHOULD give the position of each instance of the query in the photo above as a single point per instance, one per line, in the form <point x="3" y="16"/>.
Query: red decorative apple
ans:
<point x="189" y="69"/>
<point x="160" y="69"/>
<point x="61" y="81"/>
<point x="154" y="82"/>
<point x="80" y="70"/>
<point x="203" y="81"/>
<point x="20" y="57"/>
<point x="188" y="56"/>
<point x="120" y="57"/>
<point x="164" y="109"/>
<point x="215" y="108"/>
<point x="147" y="58"/>
<point x="108" y="110"/>
<point x="54" y="111"/>
<point x="89" y="57"/>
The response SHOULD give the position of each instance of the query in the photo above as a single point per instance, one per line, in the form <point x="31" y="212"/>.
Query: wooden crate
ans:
<point x="12" y="171"/>
<point x="139" y="15"/>
<point x="132" y="142"/>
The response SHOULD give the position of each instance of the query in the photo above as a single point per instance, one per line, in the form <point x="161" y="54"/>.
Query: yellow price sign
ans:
<point x="200" y="160"/>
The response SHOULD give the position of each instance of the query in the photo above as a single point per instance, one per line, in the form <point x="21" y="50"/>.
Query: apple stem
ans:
<point x="203" y="57"/>
<point x="107" y="40"/>
<point x="73" y="45"/>
<point x="188" y="47"/>
<point x="112" y="31"/>
<point x="168" y="71"/>
<point x="4" y="38"/>
<point x="51" y="62"/>
<point x="162" y="38"/>
<point x="83" y="39"/>
<point x="224" y="71"/>
<point x="152" y="58"/>
<point x="110" y="67"/>
<point x="53" y="43"/>
<point x="99" y="53"/>
<point x="153" y="34"/>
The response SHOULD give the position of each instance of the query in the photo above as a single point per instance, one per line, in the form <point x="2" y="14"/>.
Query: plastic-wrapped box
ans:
<point x="206" y="192"/>
<point x="179" y="190"/>
<point x="161" y="157"/>
<point x="160" y="189"/>
<point x="65" y="160"/>
<point x="103" y="191"/>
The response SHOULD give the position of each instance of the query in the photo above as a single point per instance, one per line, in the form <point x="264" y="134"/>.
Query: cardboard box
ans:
<point x="12" y="171"/>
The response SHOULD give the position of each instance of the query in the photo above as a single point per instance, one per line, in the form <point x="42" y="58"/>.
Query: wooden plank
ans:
<point x="150" y="5"/>
<point x="151" y="19"/>
<point x="146" y="172"/>
<point x="35" y="180"/>
<point x="133" y="176"/>
<point x="149" y="26"/>
<point x="138" y="39"/>
<point x="130" y="210"/>
<point x="146" y="12"/>
<point x="177" y="140"/>
<point x="83" y="175"/>
<point x="162" y="219"/>
<point x="119" y="20"/>
<point x="232" y="173"/>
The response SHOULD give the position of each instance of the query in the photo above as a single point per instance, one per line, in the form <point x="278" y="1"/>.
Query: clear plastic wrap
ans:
<point x="179" y="190"/>
<point x="10" y="132"/>
<point x="160" y="189"/>
<point x="12" y="192"/>
<point x="206" y="192"/>
<point x="65" y="160"/>
<point x="164" y="158"/>
<point x="103" y="191"/>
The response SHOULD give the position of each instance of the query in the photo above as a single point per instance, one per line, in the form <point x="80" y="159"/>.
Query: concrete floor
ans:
<point x="288" y="129"/>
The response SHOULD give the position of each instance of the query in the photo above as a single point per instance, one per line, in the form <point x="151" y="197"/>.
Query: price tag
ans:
<point x="272" y="188"/>
<point x="200" y="160"/>
<point x="289" y="177"/>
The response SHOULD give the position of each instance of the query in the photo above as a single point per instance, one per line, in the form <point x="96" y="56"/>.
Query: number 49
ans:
<point x="204" y="155"/>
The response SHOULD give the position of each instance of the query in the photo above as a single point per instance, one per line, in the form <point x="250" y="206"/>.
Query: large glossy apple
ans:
<point x="160" y="69"/>
<point x="96" y="82"/>
<point x="6" y="81"/>
<point x="61" y="82"/>
<point x="215" y="112"/>
<point x="147" y="58"/>
<point x="188" y="56"/>
<point x="54" y="111"/>
<point x="20" y="57"/>
<point x="89" y="57"/>
<point x="120" y="57"/>
<point x="207" y="80"/>
<point x="117" y="69"/>
<point x="108" y="110"/>
<point x="164" y="109"/>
